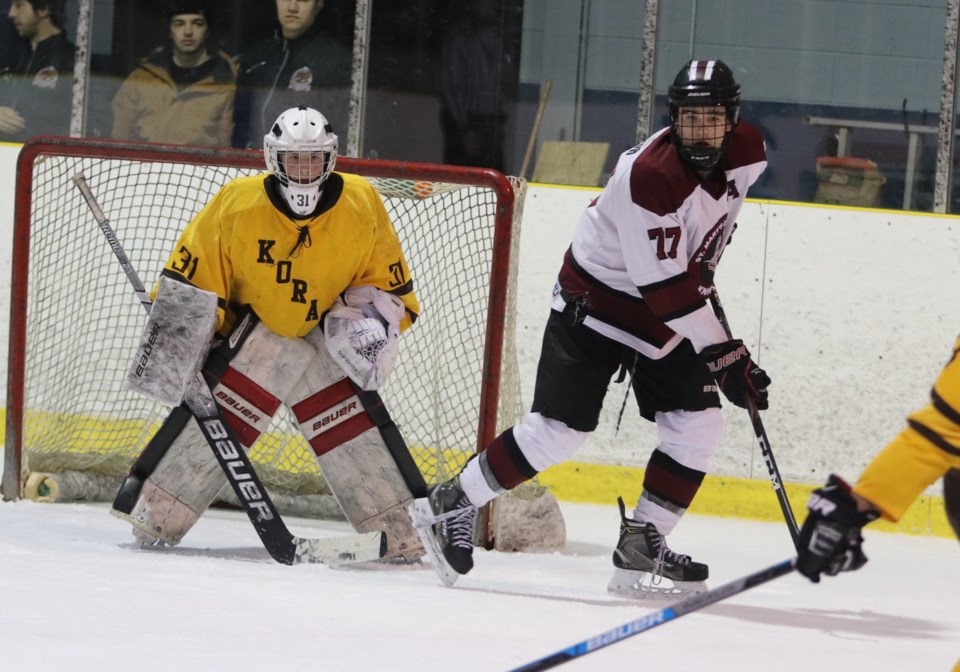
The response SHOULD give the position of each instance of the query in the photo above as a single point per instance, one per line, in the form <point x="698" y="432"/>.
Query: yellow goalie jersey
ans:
<point x="245" y="248"/>
<point x="922" y="453"/>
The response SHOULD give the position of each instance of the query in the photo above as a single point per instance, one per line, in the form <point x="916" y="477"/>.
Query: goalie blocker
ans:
<point x="358" y="448"/>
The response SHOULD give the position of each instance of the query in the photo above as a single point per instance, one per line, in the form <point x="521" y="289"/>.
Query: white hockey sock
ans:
<point x="475" y="485"/>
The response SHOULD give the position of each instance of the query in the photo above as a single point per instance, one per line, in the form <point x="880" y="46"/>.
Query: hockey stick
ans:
<point x="277" y="539"/>
<point x="761" y="435"/>
<point x="644" y="623"/>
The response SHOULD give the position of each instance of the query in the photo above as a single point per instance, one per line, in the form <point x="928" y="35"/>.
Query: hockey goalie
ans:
<point x="287" y="288"/>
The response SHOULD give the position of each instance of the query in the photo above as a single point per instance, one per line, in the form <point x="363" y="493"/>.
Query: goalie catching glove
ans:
<point x="363" y="332"/>
<point x="736" y="374"/>
<point x="830" y="540"/>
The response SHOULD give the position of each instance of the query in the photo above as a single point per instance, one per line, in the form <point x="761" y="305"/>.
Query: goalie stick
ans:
<point x="665" y="615"/>
<point x="282" y="546"/>
<point x="761" y="436"/>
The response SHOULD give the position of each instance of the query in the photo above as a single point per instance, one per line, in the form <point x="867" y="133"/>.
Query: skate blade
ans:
<point x="640" y="585"/>
<point x="423" y="517"/>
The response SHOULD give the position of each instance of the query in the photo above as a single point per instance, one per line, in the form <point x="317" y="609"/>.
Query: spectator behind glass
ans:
<point x="182" y="93"/>
<point x="11" y="46"/>
<point x="35" y="90"/>
<point x="471" y="114"/>
<point x="299" y="65"/>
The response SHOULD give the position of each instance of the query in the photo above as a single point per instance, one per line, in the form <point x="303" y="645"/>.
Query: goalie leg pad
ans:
<point x="360" y="452"/>
<point x="184" y="483"/>
<point x="180" y="476"/>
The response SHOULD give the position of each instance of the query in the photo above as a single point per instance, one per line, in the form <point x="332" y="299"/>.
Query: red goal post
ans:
<point x="74" y="322"/>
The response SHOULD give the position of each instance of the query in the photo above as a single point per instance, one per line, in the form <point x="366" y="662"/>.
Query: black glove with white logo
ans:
<point x="736" y="374"/>
<point x="830" y="539"/>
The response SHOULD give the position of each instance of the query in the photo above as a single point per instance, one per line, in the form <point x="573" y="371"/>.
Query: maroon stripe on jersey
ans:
<point x="659" y="179"/>
<point x="507" y="462"/>
<point x="670" y="481"/>
<point x="340" y="434"/>
<point x="250" y="391"/>
<point x="616" y="308"/>
<point x="322" y="400"/>
<point x="744" y="148"/>
<point x="246" y="433"/>
<point x="673" y="297"/>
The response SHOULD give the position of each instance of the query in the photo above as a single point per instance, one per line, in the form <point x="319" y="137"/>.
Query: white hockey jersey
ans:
<point x="645" y="250"/>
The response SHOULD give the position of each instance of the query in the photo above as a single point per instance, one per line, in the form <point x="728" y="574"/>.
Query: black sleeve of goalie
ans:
<point x="375" y="408"/>
<point x="219" y="359"/>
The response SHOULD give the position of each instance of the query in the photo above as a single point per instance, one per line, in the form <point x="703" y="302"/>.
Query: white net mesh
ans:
<point x="83" y="320"/>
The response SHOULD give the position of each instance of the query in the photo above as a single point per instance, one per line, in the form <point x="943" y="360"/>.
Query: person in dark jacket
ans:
<point x="35" y="91"/>
<point x="299" y="65"/>
<point x="182" y="93"/>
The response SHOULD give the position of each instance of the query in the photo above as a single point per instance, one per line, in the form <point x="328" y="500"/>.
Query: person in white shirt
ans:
<point x="632" y="296"/>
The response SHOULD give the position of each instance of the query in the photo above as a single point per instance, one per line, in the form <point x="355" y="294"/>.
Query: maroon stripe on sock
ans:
<point x="251" y="391"/>
<point x="671" y="481"/>
<point x="507" y="462"/>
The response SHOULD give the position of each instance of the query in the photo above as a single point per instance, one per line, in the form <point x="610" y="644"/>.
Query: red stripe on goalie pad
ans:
<point x="250" y="391"/>
<point x="340" y="434"/>
<point x="331" y="417"/>
<point x="247" y="434"/>
<point x="322" y="400"/>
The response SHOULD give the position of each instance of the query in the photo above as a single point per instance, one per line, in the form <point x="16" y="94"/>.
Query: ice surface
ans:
<point x="79" y="596"/>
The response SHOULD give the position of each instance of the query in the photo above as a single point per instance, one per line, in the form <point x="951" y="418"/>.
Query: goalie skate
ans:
<point x="647" y="569"/>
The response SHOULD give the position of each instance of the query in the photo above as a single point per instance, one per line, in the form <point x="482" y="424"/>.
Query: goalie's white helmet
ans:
<point x="301" y="150"/>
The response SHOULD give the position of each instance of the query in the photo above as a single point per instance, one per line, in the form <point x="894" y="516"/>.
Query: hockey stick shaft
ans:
<point x="665" y="615"/>
<point x="276" y="538"/>
<point x="80" y="181"/>
<point x="761" y="435"/>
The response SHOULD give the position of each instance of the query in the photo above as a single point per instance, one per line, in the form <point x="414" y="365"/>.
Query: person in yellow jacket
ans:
<point x="182" y="93"/>
<point x="289" y="288"/>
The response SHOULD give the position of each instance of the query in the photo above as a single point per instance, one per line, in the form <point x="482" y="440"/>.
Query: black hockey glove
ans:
<point x="830" y="539"/>
<point x="736" y="374"/>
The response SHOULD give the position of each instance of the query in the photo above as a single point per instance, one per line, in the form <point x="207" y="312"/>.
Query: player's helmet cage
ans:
<point x="301" y="150"/>
<point x="702" y="83"/>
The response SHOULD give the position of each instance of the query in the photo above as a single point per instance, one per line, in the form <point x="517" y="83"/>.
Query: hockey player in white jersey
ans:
<point x="632" y="295"/>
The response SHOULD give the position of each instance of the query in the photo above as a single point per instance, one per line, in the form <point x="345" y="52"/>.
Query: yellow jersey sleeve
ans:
<point x="921" y="453"/>
<point x="198" y="257"/>
<point x="386" y="268"/>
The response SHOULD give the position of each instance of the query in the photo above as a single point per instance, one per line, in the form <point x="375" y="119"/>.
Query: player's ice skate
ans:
<point x="647" y="569"/>
<point x="444" y="520"/>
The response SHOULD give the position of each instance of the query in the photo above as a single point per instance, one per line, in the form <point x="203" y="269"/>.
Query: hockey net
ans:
<point x="72" y="432"/>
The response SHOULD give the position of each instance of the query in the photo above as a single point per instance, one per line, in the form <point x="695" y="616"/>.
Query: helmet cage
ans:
<point x="286" y="136"/>
<point x="305" y="136"/>
<point x="703" y="84"/>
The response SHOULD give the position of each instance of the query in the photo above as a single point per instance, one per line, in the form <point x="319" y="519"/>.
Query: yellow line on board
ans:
<point x="723" y="496"/>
